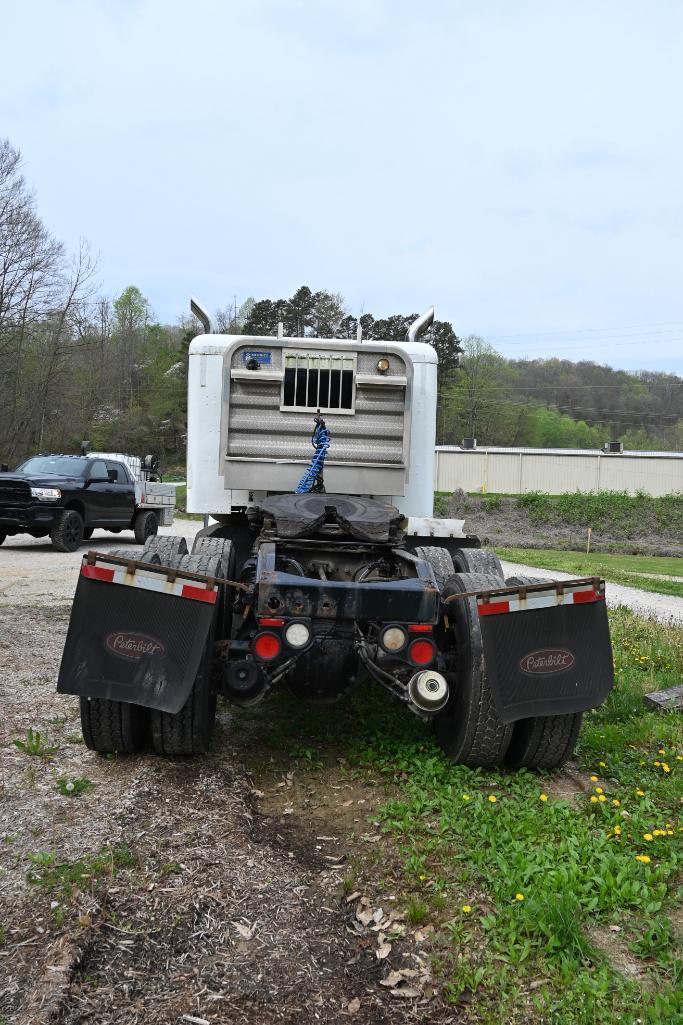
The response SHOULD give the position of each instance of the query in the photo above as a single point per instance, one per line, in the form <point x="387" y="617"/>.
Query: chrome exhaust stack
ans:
<point x="428" y="691"/>
<point x="202" y="315"/>
<point x="420" y="325"/>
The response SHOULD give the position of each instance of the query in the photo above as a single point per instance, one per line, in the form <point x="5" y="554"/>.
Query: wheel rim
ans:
<point x="72" y="531"/>
<point x="150" y="528"/>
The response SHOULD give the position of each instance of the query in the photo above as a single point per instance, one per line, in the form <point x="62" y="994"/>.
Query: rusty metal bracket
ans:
<point x="171" y="574"/>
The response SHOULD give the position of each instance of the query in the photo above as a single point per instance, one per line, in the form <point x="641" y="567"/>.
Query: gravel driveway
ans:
<point x="52" y="576"/>
<point x="664" y="607"/>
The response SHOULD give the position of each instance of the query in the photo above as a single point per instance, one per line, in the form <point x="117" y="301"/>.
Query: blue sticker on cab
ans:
<point x="262" y="358"/>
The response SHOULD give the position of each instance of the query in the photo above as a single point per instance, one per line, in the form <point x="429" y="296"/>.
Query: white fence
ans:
<point x="554" y="471"/>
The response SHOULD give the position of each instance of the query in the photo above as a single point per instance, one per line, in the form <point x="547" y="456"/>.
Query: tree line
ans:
<point x="75" y="364"/>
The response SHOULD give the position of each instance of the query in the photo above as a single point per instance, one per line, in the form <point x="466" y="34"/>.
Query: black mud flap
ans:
<point x="548" y="661"/>
<point x="134" y="645"/>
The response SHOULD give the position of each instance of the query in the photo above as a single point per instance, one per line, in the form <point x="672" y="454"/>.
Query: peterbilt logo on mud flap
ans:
<point x="133" y="646"/>
<point x="546" y="661"/>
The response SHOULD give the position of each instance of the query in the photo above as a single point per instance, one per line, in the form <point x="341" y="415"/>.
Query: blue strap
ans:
<point x="321" y="442"/>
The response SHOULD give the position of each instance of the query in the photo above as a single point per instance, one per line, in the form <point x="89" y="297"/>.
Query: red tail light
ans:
<point x="421" y="653"/>
<point x="420" y="628"/>
<point x="267" y="646"/>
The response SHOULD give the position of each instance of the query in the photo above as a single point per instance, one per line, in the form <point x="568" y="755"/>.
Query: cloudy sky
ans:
<point x="517" y="163"/>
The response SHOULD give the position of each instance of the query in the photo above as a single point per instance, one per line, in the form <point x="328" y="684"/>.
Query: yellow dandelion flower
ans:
<point x="519" y="896"/>
<point x="466" y="908"/>
<point x="465" y="797"/>
<point x="647" y="836"/>
<point x="594" y="779"/>
<point x="422" y="878"/>
<point x="616" y="803"/>
<point x="658" y="832"/>
<point x="640" y="793"/>
<point x="602" y="797"/>
<point x="617" y="830"/>
<point x="594" y="799"/>
<point x="679" y="758"/>
<point x="543" y="797"/>
<point x="598" y="790"/>
<point x="669" y="832"/>
<point x="658" y="764"/>
<point x="602" y="765"/>
<point x="665" y="767"/>
<point x="643" y="858"/>
<point x="492" y="798"/>
<point x="662" y="751"/>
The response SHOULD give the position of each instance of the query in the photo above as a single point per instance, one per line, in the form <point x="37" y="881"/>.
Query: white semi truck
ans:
<point x="324" y="565"/>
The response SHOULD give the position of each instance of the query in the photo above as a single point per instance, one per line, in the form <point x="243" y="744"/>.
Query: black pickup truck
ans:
<point x="67" y="497"/>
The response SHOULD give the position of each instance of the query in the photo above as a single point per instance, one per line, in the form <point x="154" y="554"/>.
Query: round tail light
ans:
<point x="297" y="635"/>
<point x="421" y="652"/>
<point x="267" y="646"/>
<point x="393" y="639"/>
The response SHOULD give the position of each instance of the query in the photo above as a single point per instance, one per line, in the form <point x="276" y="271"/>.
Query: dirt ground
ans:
<point x="506" y="525"/>
<point x="190" y="890"/>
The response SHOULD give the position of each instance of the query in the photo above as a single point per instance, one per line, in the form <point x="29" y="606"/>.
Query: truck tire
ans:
<point x="468" y="728"/>
<point x="114" y="727"/>
<point x="543" y="742"/>
<point x="478" y="560"/>
<point x="188" y="732"/>
<point x="440" y="560"/>
<point x="146" y="525"/>
<point x="67" y="533"/>
<point x="133" y="553"/>
<point x="169" y="546"/>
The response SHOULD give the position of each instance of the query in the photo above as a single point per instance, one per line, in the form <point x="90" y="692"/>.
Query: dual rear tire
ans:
<point x="469" y="728"/>
<point x="117" y="727"/>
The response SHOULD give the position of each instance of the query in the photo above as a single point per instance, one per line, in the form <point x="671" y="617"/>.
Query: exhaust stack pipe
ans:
<point x="420" y="325"/>
<point x="202" y="315"/>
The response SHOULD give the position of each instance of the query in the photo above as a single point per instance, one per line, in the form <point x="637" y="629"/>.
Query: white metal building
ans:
<point x="558" y="470"/>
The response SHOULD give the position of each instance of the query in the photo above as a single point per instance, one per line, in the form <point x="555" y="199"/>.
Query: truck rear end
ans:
<point x="315" y="577"/>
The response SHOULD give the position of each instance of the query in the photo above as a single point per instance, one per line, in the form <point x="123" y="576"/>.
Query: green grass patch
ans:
<point x="604" y="509"/>
<point x="620" y="569"/>
<point x="63" y="877"/>
<point x="181" y="504"/>
<point x="513" y="876"/>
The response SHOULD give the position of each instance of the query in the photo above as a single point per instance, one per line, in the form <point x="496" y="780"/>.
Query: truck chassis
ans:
<point x="317" y="592"/>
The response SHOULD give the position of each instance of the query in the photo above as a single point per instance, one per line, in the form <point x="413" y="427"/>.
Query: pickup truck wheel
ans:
<point x="478" y="560"/>
<point x="146" y="525"/>
<point x="468" y="728"/>
<point x="67" y="533"/>
<point x="188" y="732"/>
<point x="114" y="727"/>
<point x="440" y="560"/>
<point x="543" y="742"/>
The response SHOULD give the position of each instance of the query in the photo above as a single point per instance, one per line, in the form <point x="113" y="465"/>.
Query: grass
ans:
<point x="181" y="504"/>
<point x="519" y="888"/>
<point x="62" y="878"/>
<point x="620" y="569"/>
<point x="36" y="745"/>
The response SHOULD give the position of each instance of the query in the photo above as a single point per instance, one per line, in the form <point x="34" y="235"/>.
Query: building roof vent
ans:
<point x="613" y="446"/>
<point x="469" y="443"/>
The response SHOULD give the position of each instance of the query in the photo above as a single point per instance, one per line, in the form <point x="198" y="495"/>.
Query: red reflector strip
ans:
<point x="492" y="608"/>
<point x="584" y="596"/>
<point x="97" y="572"/>
<point x="420" y="628"/>
<point x="271" y="622"/>
<point x="199" y="593"/>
